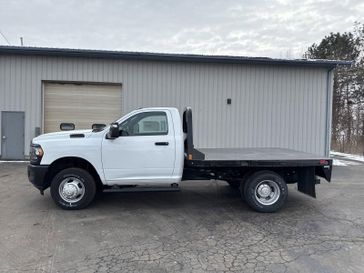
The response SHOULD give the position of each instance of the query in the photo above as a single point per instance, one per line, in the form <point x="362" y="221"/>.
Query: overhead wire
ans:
<point x="2" y="34"/>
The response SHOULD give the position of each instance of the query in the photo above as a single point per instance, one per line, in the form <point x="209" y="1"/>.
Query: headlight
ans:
<point x="35" y="154"/>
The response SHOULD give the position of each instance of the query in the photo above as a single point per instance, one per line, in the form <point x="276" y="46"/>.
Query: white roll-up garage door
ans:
<point x="81" y="104"/>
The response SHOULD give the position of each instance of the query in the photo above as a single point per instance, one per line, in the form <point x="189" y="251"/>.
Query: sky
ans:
<point x="278" y="29"/>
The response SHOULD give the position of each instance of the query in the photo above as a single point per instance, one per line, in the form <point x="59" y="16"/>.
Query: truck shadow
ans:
<point x="186" y="197"/>
<point x="202" y="196"/>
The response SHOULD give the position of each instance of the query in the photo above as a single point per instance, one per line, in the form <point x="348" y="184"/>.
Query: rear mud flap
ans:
<point x="307" y="181"/>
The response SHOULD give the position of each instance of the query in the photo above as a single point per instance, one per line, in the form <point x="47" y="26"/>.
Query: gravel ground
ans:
<point x="203" y="228"/>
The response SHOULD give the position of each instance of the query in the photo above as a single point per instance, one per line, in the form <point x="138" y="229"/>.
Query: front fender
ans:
<point x="88" y="149"/>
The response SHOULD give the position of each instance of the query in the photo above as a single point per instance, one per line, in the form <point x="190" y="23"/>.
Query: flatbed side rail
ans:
<point x="323" y="170"/>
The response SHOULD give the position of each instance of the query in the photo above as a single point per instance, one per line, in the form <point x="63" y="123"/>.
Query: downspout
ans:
<point x="329" y="97"/>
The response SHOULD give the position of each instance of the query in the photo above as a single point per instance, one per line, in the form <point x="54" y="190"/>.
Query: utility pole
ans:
<point x="21" y="41"/>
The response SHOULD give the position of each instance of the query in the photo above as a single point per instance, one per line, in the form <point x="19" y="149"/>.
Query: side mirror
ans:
<point x="67" y="126"/>
<point x="113" y="131"/>
<point x="98" y="126"/>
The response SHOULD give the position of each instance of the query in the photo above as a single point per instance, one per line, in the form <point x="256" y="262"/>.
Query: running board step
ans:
<point x="143" y="189"/>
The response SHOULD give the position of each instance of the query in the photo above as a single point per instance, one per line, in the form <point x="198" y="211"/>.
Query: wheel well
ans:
<point x="69" y="162"/>
<point x="288" y="174"/>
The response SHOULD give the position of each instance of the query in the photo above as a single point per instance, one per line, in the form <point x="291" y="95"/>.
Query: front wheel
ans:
<point x="265" y="191"/>
<point x="73" y="188"/>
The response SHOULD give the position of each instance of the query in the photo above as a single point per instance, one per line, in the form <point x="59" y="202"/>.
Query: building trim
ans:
<point x="169" y="57"/>
<point x="329" y="98"/>
<point x="82" y="82"/>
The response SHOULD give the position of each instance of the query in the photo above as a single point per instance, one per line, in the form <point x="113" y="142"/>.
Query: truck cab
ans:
<point x="148" y="149"/>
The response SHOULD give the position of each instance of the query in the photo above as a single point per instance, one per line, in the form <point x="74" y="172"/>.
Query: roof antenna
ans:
<point x="21" y="41"/>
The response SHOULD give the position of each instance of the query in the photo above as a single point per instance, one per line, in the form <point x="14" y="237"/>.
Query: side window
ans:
<point x="145" y="124"/>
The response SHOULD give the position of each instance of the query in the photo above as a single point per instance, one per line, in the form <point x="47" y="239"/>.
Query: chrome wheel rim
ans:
<point x="71" y="189"/>
<point x="267" y="192"/>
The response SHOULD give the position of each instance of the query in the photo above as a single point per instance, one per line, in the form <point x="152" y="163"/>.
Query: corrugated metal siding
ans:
<point x="272" y="106"/>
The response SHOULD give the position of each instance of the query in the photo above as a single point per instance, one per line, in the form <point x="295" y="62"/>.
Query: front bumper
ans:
<point x="37" y="176"/>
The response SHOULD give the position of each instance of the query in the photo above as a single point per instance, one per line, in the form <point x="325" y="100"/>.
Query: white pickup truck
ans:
<point x="153" y="147"/>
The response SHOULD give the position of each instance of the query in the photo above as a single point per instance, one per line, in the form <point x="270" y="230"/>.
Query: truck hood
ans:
<point x="61" y="135"/>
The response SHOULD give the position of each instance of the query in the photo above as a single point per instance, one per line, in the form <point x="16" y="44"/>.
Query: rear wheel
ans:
<point x="73" y="188"/>
<point x="265" y="191"/>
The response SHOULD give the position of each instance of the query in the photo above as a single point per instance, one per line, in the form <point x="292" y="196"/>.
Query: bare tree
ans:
<point x="348" y="96"/>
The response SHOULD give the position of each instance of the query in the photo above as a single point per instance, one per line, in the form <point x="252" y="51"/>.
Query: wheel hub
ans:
<point x="267" y="192"/>
<point x="71" y="190"/>
<point x="264" y="190"/>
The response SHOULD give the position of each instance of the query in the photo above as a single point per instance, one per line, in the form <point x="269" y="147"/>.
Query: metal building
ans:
<point x="236" y="101"/>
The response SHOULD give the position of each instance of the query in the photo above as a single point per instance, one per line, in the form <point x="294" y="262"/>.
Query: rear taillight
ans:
<point x="324" y="162"/>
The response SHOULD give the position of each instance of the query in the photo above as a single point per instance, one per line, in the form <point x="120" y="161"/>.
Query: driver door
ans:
<point x="144" y="152"/>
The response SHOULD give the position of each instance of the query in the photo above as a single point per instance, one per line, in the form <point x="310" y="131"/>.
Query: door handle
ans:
<point x="161" y="143"/>
<point x="4" y="137"/>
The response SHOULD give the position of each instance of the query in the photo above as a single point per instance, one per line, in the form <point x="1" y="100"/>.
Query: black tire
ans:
<point x="275" y="183"/>
<point x="76" y="176"/>
<point x="243" y="183"/>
